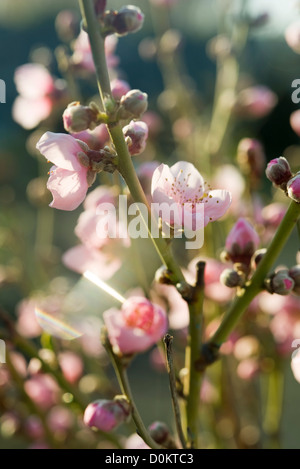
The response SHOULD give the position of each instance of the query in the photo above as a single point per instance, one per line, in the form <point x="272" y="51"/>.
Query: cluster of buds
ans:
<point x="240" y="248"/>
<point x="129" y="19"/>
<point x="96" y="160"/>
<point x="279" y="173"/>
<point x="280" y="282"/>
<point x="107" y="415"/>
<point x="77" y="118"/>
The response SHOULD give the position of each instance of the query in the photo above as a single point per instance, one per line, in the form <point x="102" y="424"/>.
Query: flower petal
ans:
<point x="61" y="150"/>
<point x="81" y="259"/>
<point x="186" y="173"/>
<point x="217" y="205"/>
<point x="30" y="112"/>
<point x="68" y="188"/>
<point x="33" y="81"/>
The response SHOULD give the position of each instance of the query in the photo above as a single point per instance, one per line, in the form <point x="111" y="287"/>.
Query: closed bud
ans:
<point x="242" y="242"/>
<point x="280" y="283"/>
<point x="231" y="278"/>
<point x="293" y="188"/>
<point x="107" y="415"/>
<point x="159" y="432"/>
<point x="251" y="159"/>
<point x="279" y="172"/>
<point x="133" y="104"/>
<point x="137" y="134"/>
<point x="294" y="273"/>
<point x="77" y="118"/>
<point x="129" y="19"/>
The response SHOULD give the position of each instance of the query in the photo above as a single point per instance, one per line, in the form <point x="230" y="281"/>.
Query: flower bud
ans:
<point x="251" y="158"/>
<point x="163" y="276"/>
<point x="231" y="278"/>
<point x="77" y="117"/>
<point x="107" y="415"/>
<point x="242" y="242"/>
<point x="67" y="25"/>
<point x="159" y="432"/>
<point x="294" y="273"/>
<point x="136" y="134"/>
<point x="279" y="172"/>
<point x="280" y="283"/>
<point x="293" y="188"/>
<point x="133" y="104"/>
<point x="129" y="19"/>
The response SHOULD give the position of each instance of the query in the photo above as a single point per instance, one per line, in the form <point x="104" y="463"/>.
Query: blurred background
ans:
<point x="33" y="237"/>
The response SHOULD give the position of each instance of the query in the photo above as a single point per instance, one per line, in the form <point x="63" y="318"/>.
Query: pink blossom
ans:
<point x="68" y="178"/>
<point x="60" y="419"/>
<point x="247" y="369"/>
<point x="183" y="188"/>
<point x="119" y="88"/>
<point x="137" y="133"/>
<point x="295" y="365"/>
<point x="82" y="55"/>
<point x="100" y="195"/>
<point x="228" y="178"/>
<point x="178" y="311"/>
<point x="255" y="102"/>
<point x="36" y="89"/>
<point x="105" y="415"/>
<point x="71" y="365"/>
<point x="292" y="36"/>
<point x="136" y="327"/>
<point x="43" y="390"/>
<point x="27" y="324"/>
<point x="242" y="240"/>
<point x="295" y="121"/>
<point x="293" y="188"/>
<point x="34" y="427"/>
<point x="81" y="259"/>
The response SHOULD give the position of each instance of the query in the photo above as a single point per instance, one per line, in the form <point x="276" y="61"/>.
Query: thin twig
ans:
<point x="168" y="340"/>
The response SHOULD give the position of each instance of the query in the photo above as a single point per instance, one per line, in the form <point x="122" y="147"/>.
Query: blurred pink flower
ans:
<point x="68" y="178"/>
<point x="27" y="324"/>
<point x="214" y="289"/>
<point x="295" y="121"/>
<point x="228" y="178"/>
<point x="34" y="427"/>
<point x="36" y="88"/>
<point x="295" y="365"/>
<point x="71" y="365"/>
<point x="134" y="441"/>
<point x="119" y="88"/>
<point x="134" y="328"/>
<point x="60" y="419"/>
<point x="106" y="415"/>
<point x="247" y="369"/>
<point x="292" y="36"/>
<point x="178" y="311"/>
<point x="183" y="188"/>
<point x="81" y="259"/>
<point x="100" y="195"/>
<point x="82" y="54"/>
<point x="145" y="172"/>
<point x="43" y="390"/>
<point x="255" y="102"/>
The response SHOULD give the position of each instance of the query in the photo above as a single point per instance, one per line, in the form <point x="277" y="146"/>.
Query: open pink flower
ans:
<point x="183" y="189"/>
<point x="68" y="178"/>
<point x="134" y="328"/>
<point x="36" y="88"/>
